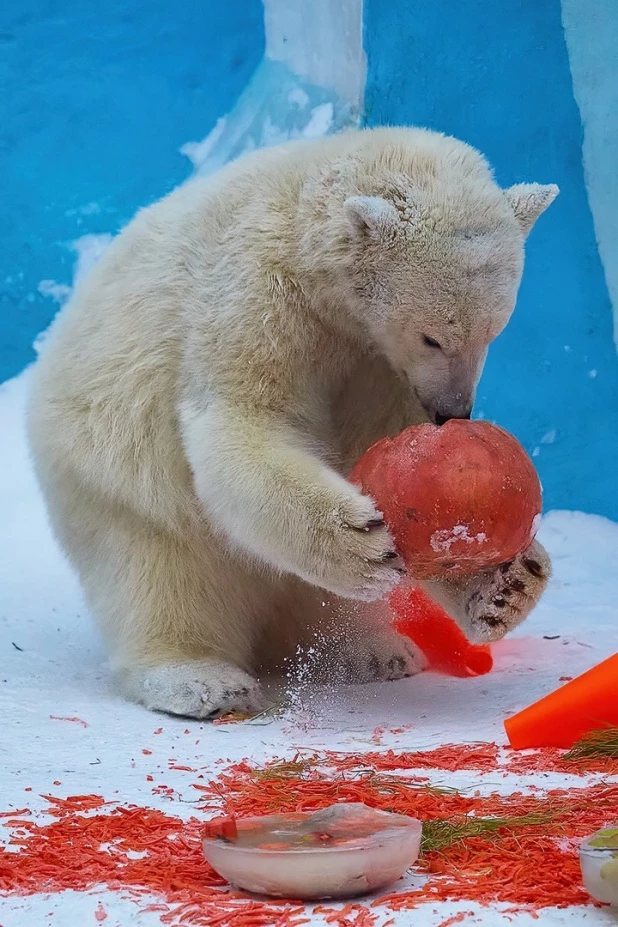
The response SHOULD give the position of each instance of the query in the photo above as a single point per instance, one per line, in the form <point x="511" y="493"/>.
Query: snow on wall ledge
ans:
<point x="310" y="82"/>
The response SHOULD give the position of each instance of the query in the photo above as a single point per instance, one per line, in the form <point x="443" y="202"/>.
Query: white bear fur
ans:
<point x="203" y="396"/>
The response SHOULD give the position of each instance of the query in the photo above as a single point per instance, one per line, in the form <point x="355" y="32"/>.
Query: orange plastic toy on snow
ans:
<point x="585" y="704"/>
<point x="444" y="645"/>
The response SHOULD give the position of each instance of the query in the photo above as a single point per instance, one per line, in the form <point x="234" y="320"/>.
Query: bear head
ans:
<point x="434" y="276"/>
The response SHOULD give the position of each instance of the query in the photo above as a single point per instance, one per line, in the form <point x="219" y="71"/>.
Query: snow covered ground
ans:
<point x="53" y="669"/>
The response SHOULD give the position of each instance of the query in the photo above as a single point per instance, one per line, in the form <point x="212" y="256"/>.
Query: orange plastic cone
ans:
<point x="587" y="703"/>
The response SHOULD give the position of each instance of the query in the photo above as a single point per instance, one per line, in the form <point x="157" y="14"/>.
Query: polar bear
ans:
<point x="201" y="399"/>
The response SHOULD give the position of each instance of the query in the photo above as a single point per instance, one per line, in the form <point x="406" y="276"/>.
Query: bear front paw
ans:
<point x="355" y="553"/>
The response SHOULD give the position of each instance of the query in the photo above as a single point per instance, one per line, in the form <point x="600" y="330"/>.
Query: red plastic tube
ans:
<point x="444" y="645"/>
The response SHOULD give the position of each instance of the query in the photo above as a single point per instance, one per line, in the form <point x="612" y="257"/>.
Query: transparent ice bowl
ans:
<point x="598" y="856"/>
<point x="363" y="850"/>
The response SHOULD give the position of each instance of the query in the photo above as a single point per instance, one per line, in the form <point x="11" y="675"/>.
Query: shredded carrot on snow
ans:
<point x="528" y="859"/>
<point x="74" y="720"/>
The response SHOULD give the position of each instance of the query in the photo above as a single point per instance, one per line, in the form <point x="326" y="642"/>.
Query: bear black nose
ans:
<point x="442" y="418"/>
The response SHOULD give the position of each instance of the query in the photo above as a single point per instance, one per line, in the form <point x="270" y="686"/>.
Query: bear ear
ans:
<point x="371" y="216"/>
<point x="529" y="200"/>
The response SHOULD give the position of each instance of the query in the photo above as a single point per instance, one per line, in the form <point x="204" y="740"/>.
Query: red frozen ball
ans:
<point x="457" y="498"/>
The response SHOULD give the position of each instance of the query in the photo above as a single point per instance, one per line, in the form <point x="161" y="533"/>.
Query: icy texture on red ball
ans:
<point x="458" y="498"/>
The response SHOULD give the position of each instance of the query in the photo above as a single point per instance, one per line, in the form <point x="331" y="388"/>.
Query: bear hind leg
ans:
<point x="178" y="612"/>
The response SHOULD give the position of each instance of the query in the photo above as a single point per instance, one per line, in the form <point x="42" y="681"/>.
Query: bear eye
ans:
<point x="431" y="342"/>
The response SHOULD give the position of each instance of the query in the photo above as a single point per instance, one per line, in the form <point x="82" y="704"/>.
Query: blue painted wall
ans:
<point x="497" y="75"/>
<point x="97" y="99"/>
<point x="100" y="97"/>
